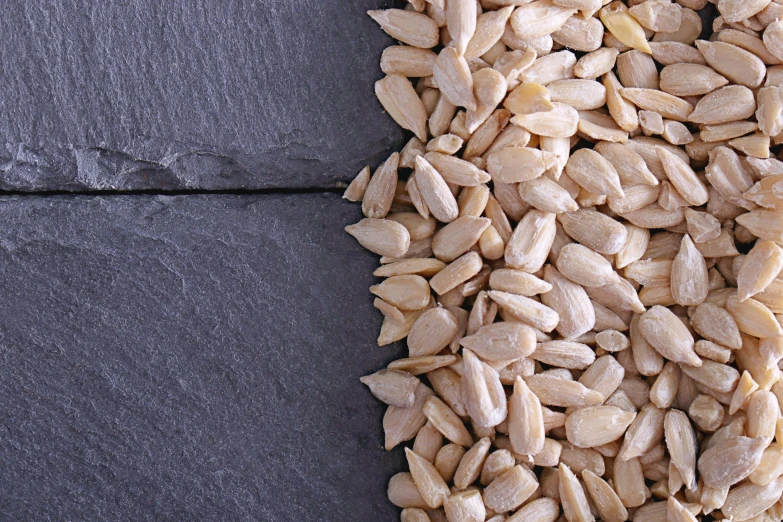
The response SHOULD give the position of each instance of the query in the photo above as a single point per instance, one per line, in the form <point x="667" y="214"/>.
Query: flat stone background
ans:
<point x="189" y="94"/>
<point x="188" y="358"/>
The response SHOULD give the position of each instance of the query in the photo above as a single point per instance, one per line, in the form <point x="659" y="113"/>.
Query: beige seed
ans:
<point x="453" y="76"/>
<point x="414" y="266"/>
<point x="594" y="230"/>
<point x="412" y="28"/>
<point x="668" y="335"/>
<point x="637" y="69"/>
<point x="595" y="64"/>
<point x="502" y="341"/>
<point x="603" y="376"/>
<point x="543" y="509"/>
<point x="564" y="354"/>
<point x="579" y="33"/>
<point x="547" y="195"/>
<point x="411" y="62"/>
<point x="517" y="282"/>
<point x="465" y="506"/>
<point x="435" y="192"/>
<point x="515" y="164"/>
<point x="395" y="388"/>
<point x="599" y="126"/>
<point x="525" y="420"/>
<point x="713" y="351"/>
<point x="445" y="144"/>
<point x="727" y="104"/>
<point x="756" y="145"/>
<point x="490" y="88"/>
<point x="681" y="443"/>
<point x="489" y="29"/>
<point x="456" y="273"/>
<point x="670" y="53"/>
<point x="761" y="266"/>
<point x="447" y="422"/>
<point x="531" y="241"/>
<point x="629" y="165"/>
<point x="570" y="302"/>
<point x="676" y="133"/>
<point x="749" y="500"/>
<point x="753" y="318"/>
<point x="763" y="411"/>
<point x="420" y="365"/>
<point x="402" y="424"/>
<point x="770" y="467"/>
<point x="665" y="104"/>
<point x="597" y="425"/>
<point x="773" y="39"/>
<point x="636" y="244"/>
<point x="606" y="501"/>
<point x="510" y="490"/>
<point x="643" y="434"/>
<point x="765" y="224"/>
<point x="688" y="79"/>
<point x="485" y="399"/>
<point x="461" y="22"/>
<point x="400" y="100"/>
<point x="624" y="27"/>
<point x="629" y="482"/>
<point x="560" y="122"/>
<point x="622" y="110"/>
<point x="583" y="266"/>
<point x="355" y="190"/>
<point x="745" y="388"/>
<point x="414" y="515"/>
<point x="676" y="512"/>
<point x="406" y="292"/>
<point x="539" y="18"/>
<point x="593" y="172"/>
<point x="572" y="496"/>
<point x="706" y="412"/>
<point x="553" y="391"/>
<point x="739" y="10"/>
<point x="658" y="15"/>
<point x="689" y="279"/>
<point x="702" y="226"/>
<point x="550" y="68"/>
<point x="428" y="442"/>
<point x="497" y="463"/>
<point x="458" y="237"/>
<point x="736" y="64"/>
<point x="381" y="236"/>
<point x="651" y="122"/>
<point x="432" y="332"/>
<point x="611" y="340"/>
<point x="402" y="492"/>
<point x="690" y="29"/>
<point x="431" y="486"/>
<point x="471" y="464"/>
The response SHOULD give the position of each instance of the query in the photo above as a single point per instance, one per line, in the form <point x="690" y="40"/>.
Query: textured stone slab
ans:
<point x="144" y="94"/>
<point x="188" y="358"/>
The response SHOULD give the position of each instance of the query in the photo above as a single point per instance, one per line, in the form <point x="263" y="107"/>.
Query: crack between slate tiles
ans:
<point x="178" y="192"/>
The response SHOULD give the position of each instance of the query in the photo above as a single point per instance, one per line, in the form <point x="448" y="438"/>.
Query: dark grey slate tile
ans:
<point x="188" y="358"/>
<point x="180" y="94"/>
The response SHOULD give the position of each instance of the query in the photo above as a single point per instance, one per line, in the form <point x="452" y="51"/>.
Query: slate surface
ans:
<point x="188" y="358"/>
<point x="186" y="94"/>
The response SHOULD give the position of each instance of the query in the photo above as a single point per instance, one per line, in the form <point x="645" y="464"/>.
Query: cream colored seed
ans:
<point x="595" y="64"/>
<point x="573" y="497"/>
<point x="560" y="122"/>
<point x="624" y="27"/>
<point x="665" y="104"/>
<point x="689" y="279"/>
<point x="637" y="69"/>
<point x="453" y="75"/>
<point x="400" y="100"/>
<point x="409" y="27"/>
<point x="736" y="64"/>
<point x="539" y="18"/>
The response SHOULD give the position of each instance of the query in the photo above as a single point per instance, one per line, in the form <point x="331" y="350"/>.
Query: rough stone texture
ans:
<point x="188" y="358"/>
<point x="228" y="94"/>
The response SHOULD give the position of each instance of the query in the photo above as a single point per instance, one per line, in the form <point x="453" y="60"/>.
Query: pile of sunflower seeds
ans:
<point x="581" y="244"/>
